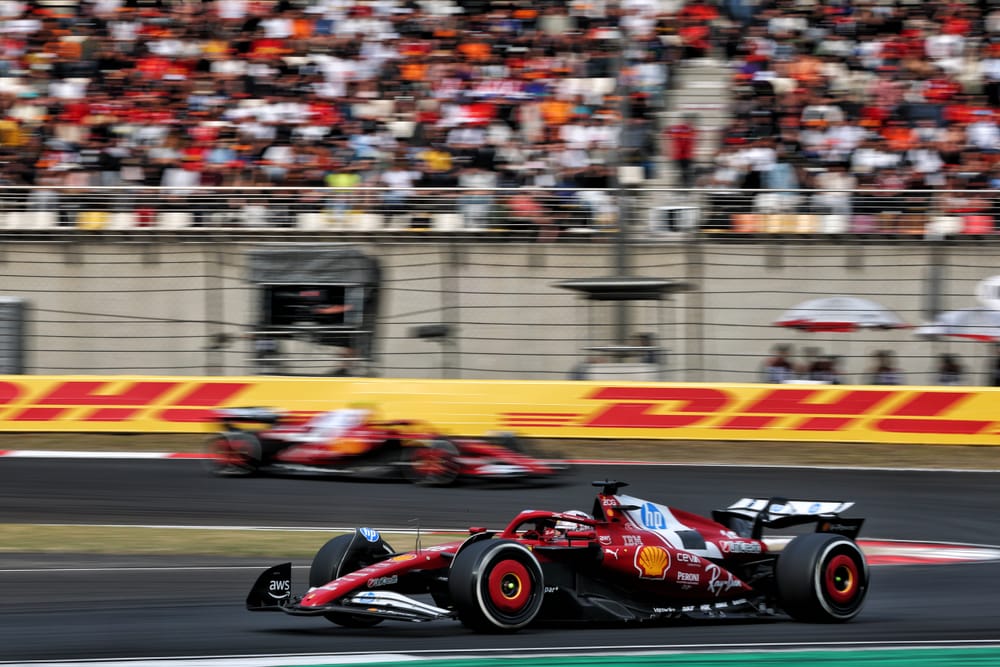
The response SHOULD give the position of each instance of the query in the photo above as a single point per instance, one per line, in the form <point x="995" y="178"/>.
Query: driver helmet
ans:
<point x="565" y="525"/>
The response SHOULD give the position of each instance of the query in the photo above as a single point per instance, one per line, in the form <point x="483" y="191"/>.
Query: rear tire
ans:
<point x="234" y="454"/>
<point x="496" y="586"/>
<point x="435" y="464"/>
<point x="334" y="560"/>
<point x="822" y="578"/>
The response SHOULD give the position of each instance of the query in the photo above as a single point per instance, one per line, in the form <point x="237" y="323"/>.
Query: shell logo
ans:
<point x="652" y="562"/>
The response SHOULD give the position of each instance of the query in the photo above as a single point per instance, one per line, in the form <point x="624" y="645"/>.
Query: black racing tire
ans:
<point x="333" y="561"/>
<point x="433" y="464"/>
<point x="496" y="586"/>
<point x="234" y="454"/>
<point x="822" y="578"/>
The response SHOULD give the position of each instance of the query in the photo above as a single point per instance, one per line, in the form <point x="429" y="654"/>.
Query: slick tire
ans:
<point x="234" y="454"/>
<point x="822" y="578"/>
<point x="434" y="464"/>
<point x="496" y="586"/>
<point x="334" y="559"/>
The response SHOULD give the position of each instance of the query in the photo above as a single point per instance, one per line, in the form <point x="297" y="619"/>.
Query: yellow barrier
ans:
<point x="930" y="415"/>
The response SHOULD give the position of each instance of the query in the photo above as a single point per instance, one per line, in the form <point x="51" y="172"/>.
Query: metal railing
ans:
<point x="521" y="213"/>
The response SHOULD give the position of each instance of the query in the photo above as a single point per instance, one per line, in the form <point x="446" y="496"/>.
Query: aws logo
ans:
<point x="279" y="589"/>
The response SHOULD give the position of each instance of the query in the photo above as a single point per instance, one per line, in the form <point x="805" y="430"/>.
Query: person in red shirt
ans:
<point x="682" y="137"/>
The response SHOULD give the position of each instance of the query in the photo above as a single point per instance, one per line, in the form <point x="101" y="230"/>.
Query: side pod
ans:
<point x="272" y="590"/>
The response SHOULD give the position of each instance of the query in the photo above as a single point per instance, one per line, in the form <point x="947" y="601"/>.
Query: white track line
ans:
<point x="619" y="653"/>
<point x="63" y="454"/>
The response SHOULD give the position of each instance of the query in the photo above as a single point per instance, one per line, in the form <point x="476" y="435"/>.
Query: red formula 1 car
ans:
<point x="632" y="560"/>
<point x="348" y="442"/>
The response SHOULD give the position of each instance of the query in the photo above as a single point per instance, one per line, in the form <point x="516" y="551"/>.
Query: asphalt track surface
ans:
<point x="126" y="607"/>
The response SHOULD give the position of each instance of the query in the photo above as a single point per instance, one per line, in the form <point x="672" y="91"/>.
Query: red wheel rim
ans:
<point x="431" y="462"/>
<point x="841" y="579"/>
<point x="231" y="453"/>
<point x="224" y="452"/>
<point x="509" y="586"/>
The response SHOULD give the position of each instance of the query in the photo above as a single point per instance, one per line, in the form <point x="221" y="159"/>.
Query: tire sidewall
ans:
<point x="333" y="560"/>
<point x="327" y="562"/>
<point x="470" y="585"/>
<point x="802" y="571"/>
<point x="245" y="443"/>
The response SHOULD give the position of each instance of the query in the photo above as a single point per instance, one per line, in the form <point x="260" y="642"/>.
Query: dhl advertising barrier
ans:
<point x="929" y="415"/>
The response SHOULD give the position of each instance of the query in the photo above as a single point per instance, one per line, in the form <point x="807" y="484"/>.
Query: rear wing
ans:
<point x="750" y="516"/>
<point x="248" y="415"/>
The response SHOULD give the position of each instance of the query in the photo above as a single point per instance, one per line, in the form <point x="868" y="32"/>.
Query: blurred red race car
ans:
<point x="348" y="442"/>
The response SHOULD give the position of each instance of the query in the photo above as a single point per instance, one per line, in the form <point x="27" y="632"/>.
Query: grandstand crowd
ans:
<point x="886" y="96"/>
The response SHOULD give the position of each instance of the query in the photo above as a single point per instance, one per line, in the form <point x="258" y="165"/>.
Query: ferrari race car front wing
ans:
<point x="272" y="592"/>
<point x="380" y="604"/>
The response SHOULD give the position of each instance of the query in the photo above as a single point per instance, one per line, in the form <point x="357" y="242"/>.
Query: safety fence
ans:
<point x="153" y="281"/>
<point x="506" y="213"/>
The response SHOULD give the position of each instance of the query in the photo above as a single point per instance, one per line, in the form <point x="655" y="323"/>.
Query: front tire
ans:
<point x="335" y="559"/>
<point x="822" y="578"/>
<point x="496" y="586"/>
<point x="234" y="454"/>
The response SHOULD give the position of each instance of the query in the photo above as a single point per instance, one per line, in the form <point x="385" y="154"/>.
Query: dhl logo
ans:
<point x="117" y="401"/>
<point x="794" y="409"/>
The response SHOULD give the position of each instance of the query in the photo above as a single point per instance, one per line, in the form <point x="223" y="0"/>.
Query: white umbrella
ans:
<point x="972" y="323"/>
<point x="840" y="313"/>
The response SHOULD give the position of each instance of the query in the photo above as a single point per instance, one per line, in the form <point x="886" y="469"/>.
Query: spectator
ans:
<point x="884" y="370"/>
<point x="527" y="211"/>
<point x="782" y="180"/>
<point x="137" y="90"/>
<point x="949" y="370"/>
<point x="476" y="200"/>
<point x="682" y="138"/>
<point x="834" y="190"/>
<point x="399" y="179"/>
<point x="825" y="369"/>
<point x="779" y="368"/>
<point x="993" y="370"/>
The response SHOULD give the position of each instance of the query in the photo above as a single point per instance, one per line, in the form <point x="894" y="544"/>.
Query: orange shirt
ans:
<point x="413" y="71"/>
<point x="556" y="112"/>
<point x="302" y="28"/>
<point x="898" y="137"/>
<point x="475" y="50"/>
